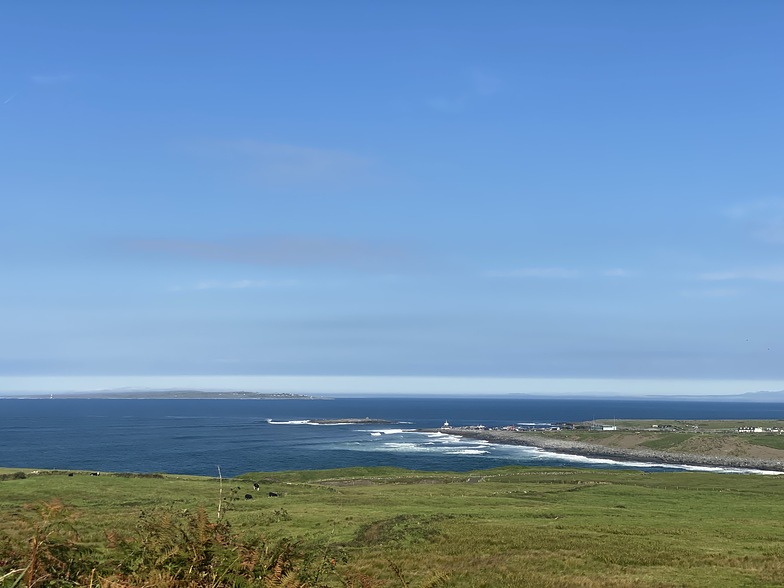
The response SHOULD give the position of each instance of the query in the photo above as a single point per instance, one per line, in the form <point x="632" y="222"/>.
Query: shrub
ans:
<point x="45" y="550"/>
<point x="14" y="476"/>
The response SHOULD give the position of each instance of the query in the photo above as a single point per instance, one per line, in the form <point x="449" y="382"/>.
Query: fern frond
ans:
<point x="436" y="580"/>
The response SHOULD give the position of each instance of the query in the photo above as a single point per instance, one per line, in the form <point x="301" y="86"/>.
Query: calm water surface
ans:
<point x="196" y="436"/>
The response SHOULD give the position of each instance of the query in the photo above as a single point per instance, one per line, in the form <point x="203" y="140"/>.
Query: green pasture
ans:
<point x="667" y="441"/>
<point x="506" y="527"/>
<point x="679" y="436"/>
<point x="725" y="425"/>
<point x="772" y="441"/>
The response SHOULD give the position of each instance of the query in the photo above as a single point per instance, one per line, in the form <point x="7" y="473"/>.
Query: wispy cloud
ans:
<point x="237" y="285"/>
<point x="286" y="251"/>
<point x="51" y="79"/>
<point x="289" y="164"/>
<point x="763" y="274"/>
<point x="763" y="218"/>
<point x="616" y="272"/>
<point x="559" y="273"/>
<point x="711" y="293"/>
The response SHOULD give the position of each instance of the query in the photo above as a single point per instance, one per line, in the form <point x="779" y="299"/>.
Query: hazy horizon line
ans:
<point x="396" y="385"/>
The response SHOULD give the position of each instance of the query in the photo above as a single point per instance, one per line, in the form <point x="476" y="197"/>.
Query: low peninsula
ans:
<point x="352" y="421"/>
<point x="712" y="447"/>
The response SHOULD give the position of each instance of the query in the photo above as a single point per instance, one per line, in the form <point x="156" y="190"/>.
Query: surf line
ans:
<point x="622" y="456"/>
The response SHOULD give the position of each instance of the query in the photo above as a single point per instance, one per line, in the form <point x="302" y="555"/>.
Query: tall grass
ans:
<point x="171" y="548"/>
<point x="391" y="528"/>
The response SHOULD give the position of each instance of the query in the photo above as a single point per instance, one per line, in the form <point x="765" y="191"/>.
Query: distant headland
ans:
<point x="171" y="394"/>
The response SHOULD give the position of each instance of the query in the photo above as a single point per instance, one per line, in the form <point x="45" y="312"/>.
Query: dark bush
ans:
<point x="14" y="476"/>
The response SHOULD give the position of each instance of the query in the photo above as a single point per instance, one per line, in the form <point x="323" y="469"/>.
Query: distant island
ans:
<point x="352" y="421"/>
<point x="173" y="394"/>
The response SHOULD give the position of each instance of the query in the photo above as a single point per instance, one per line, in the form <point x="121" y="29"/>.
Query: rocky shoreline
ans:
<point x="542" y="441"/>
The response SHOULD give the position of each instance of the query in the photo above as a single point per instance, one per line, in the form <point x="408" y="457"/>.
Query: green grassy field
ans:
<point x="717" y="425"/>
<point x="715" y="438"/>
<point x="492" y="528"/>
<point x="667" y="441"/>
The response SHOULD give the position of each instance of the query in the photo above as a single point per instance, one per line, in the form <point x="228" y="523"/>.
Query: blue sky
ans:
<point x="573" y="192"/>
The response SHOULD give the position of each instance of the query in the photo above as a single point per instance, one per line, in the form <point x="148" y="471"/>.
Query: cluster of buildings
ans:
<point x="776" y="430"/>
<point x="523" y="427"/>
<point x="593" y="426"/>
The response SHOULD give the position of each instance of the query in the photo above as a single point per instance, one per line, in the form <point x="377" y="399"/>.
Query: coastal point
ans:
<point x="709" y="443"/>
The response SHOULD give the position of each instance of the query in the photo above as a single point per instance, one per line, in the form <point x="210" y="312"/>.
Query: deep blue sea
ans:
<point x="197" y="436"/>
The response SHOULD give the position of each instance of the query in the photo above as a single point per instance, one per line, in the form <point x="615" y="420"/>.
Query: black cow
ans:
<point x="248" y="496"/>
<point x="273" y="494"/>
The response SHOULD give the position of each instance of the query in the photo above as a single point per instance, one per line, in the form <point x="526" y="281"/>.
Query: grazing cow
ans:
<point x="95" y="473"/>
<point x="273" y="494"/>
<point x="70" y="475"/>
<point x="256" y="486"/>
<point x="248" y="496"/>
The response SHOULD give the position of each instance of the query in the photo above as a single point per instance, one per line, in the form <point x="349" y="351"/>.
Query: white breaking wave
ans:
<point x="446" y="444"/>
<point x="454" y="438"/>
<point x="537" y="453"/>
<point x="452" y="446"/>
<point x="407" y="447"/>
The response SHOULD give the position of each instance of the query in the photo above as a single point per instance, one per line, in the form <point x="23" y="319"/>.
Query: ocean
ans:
<point x="198" y="436"/>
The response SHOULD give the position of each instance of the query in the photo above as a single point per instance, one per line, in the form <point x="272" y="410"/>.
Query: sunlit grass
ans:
<point x="504" y="527"/>
<point x="667" y="440"/>
<point x="769" y="440"/>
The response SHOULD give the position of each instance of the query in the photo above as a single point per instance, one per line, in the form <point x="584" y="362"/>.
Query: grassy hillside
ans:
<point x="718" y="438"/>
<point x="390" y="527"/>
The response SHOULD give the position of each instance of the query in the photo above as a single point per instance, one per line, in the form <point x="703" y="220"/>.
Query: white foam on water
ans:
<point x="406" y="447"/>
<point x="413" y="441"/>
<point x="443" y="444"/>
<point x="447" y="438"/>
<point x="537" y="453"/>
